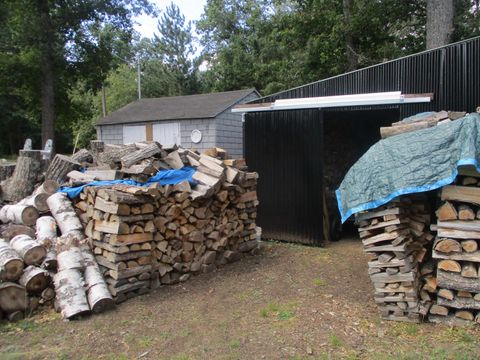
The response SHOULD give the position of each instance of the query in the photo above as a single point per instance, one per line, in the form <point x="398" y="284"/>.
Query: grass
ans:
<point x="145" y="341"/>
<point x="335" y="341"/>
<point x="319" y="282"/>
<point x="234" y="344"/>
<point x="282" y="312"/>
<point x="411" y="329"/>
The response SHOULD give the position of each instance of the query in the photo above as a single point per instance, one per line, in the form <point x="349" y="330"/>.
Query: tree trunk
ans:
<point x="25" y="175"/>
<point x="440" y="14"/>
<point x="352" y="61"/>
<point x="47" y="86"/>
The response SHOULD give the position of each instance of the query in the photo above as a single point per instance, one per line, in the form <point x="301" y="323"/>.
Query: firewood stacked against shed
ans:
<point x="140" y="235"/>
<point x="456" y="250"/>
<point x="396" y="238"/>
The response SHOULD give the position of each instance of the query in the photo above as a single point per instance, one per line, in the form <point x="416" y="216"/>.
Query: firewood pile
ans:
<point x="421" y="121"/>
<point x="146" y="236"/>
<point x="397" y="241"/>
<point x="456" y="253"/>
<point x="120" y="240"/>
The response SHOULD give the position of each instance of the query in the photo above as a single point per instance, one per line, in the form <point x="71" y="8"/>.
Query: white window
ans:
<point x="134" y="133"/>
<point x="167" y="134"/>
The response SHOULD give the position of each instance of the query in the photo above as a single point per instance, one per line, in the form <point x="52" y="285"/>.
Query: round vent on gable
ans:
<point x="196" y="136"/>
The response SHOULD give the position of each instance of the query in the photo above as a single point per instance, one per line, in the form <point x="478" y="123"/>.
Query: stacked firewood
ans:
<point x="145" y="235"/>
<point x="396" y="240"/>
<point x="120" y="228"/>
<point x="456" y="252"/>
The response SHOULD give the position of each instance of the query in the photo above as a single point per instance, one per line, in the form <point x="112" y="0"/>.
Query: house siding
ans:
<point x="229" y="129"/>
<point x="206" y="127"/>
<point x="110" y="134"/>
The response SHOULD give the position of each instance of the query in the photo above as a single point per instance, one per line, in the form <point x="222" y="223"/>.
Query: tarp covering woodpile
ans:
<point x="412" y="162"/>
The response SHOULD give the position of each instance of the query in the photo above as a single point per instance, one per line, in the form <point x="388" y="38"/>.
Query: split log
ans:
<point x="19" y="214"/>
<point x="446" y="294"/>
<point x="449" y="265"/>
<point x="439" y="310"/>
<point x="448" y="246"/>
<point x="82" y="156"/>
<point x="70" y="293"/>
<point x="32" y="252"/>
<point x="25" y="176"/>
<point x="132" y="158"/>
<point x="63" y="212"/>
<point x="447" y="212"/>
<point x="455" y="281"/>
<point x="173" y="159"/>
<point x="466" y="194"/>
<point x="464" y="314"/>
<point x="34" y="279"/>
<point x="60" y="166"/>
<point x="11" y="265"/>
<point x="9" y="231"/>
<point x="13" y="297"/>
<point x="400" y="129"/>
<point x="46" y="231"/>
<point x="469" y="246"/>
<point x="469" y="270"/>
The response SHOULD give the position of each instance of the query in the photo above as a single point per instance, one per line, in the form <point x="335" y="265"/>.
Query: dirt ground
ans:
<point x="288" y="302"/>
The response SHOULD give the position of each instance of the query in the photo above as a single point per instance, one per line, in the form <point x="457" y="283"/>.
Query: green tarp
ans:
<point x="408" y="163"/>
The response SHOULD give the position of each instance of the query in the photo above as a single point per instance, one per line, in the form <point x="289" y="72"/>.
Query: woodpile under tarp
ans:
<point x="113" y="242"/>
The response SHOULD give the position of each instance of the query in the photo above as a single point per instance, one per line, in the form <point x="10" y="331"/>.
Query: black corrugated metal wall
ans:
<point x="277" y="143"/>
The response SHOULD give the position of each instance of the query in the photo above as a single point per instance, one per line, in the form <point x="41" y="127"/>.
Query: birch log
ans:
<point x="99" y="297"/>
<point x="71" y="259"/>
<point x="19" y="214"/>
<point x="63" y="212"/>
<point x="9" y="231"/>
<point x="48" y="187"/>
<point x="38" y="201"/>
<point x="29" y="250"/>
<point x="11" y="265"/>
<point x="70" y="293"/>
<point x="34" y="279"/>
<point x="46" y="230"/>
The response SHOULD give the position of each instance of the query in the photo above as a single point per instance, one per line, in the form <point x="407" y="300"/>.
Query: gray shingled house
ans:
<point x="193" y="121"/>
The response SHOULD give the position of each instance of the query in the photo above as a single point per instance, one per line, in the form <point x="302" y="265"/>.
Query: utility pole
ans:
<point x="104" y="102"/>
<point x="139" y="80"/>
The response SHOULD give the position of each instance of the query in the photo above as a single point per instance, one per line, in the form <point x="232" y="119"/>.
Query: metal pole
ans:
<point x="138" y="81"/>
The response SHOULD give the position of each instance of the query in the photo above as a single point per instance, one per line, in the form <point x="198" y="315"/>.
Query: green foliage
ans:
<point x="335" y="341"/>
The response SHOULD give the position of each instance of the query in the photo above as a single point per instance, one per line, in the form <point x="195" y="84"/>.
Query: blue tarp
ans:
<point x="164" y="177"/>
<point x="408" y="163"/>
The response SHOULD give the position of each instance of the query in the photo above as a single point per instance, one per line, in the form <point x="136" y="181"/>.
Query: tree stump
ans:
<point x="26" y="174"/>
<point x="29" y="250"/>
<point x="11" y="265"/>
<point x="83" y="156"/>
<point x="19" y="214"/>
<point x="60" y="166"/>
<point x="34" y="279"/>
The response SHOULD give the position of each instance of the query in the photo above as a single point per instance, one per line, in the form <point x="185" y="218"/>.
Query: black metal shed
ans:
<point x="302" y="155"/>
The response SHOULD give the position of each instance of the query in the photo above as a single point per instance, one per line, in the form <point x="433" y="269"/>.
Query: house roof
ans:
<point x="176" y="107"/>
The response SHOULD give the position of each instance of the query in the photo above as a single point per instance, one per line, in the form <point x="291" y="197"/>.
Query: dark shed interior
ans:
<point x="299" y="152"/>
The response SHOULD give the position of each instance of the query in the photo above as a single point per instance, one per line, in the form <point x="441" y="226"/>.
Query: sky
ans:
<point x="191" y="9"/>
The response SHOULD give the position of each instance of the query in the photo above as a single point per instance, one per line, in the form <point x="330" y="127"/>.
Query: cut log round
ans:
<point x="70" y="293"/>
<point x="63" y="212"/>
<point x="450" y="265"/>
<point x="48" y="294"/>
<point x="11" y="265"/>
<point x="469" y="270"/>
<point x="464" y="314"/>
<point x="447" y="212"/>
<point x="465" y="212"/>
<point x="38" y="201"/>
<point x="34" y="279"/>
<point x="29" y="250"/>
<point x="19" y="214"/>
<point x="49" y="187"/>
<point x="446" y="294"/>
<point x="13" y="297"/>
<point x="60" y="166"/>
<point x="9" y="231"/>
<point x="448" y="246"/>
<point x="16" y="316"/>
<point x="46" y="230"/>
<point x="469" y="246"/>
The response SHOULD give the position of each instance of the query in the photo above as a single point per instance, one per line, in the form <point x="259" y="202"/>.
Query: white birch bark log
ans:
<point x="32" y="252"/>
<point x="11" y="265"/>
<point x="19" y="214"/>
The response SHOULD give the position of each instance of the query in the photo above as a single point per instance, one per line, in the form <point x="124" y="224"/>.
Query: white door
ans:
<point x="134" y="133"/>
<point x="167" y="134"/>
